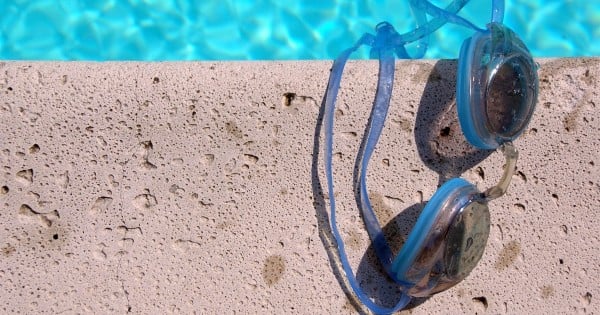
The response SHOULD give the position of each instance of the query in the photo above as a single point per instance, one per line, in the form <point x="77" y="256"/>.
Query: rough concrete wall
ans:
<point x="180" y="187"/>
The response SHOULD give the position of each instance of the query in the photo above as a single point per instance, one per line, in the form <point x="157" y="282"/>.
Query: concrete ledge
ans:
<point x="181" y="187"/>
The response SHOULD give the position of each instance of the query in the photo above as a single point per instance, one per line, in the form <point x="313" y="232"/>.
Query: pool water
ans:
<point x="266" y="29"/>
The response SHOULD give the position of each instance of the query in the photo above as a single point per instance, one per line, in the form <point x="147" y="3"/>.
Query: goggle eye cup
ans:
<point x="497" y="87"/>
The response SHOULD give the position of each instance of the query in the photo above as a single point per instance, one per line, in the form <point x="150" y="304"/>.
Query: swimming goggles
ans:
<point x="497" y="88"/>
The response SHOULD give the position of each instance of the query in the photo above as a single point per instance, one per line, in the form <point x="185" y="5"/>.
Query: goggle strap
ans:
<point x="447" y="16"/>
<point x="424" y="27"/>
<point x="497" y="11"/>
<point x="373" y="131"/>
<point x="329" y="113"/>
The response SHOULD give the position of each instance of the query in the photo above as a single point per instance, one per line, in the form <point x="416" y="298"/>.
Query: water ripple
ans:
<point x="264" y="29"/>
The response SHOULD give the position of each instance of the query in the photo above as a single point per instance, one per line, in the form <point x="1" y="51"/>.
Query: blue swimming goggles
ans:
<point x="497" y="89"/>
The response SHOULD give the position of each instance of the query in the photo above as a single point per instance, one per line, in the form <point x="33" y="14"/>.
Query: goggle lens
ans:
<point x="510" y="101"/>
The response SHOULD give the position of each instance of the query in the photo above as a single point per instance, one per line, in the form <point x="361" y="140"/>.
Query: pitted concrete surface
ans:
<point x="196" y="187"/>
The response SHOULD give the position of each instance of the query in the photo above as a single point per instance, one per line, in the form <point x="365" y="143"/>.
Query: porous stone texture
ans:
<point x="197" y="187"/>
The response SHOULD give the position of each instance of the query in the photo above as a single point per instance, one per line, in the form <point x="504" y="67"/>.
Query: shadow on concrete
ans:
<point x="442" y="148"/>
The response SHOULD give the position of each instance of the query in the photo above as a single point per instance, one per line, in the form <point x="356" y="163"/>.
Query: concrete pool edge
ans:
<point x="188" y="186"/>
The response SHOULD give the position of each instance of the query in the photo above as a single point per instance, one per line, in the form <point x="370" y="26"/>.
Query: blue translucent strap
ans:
<point x="373" y="131"/>
<point x="438" y="12"/>
<point x="332" y="91"/>
<point x="424" y="27"/>
<point x="497" y="11"/>
<point x="421" y="19"/>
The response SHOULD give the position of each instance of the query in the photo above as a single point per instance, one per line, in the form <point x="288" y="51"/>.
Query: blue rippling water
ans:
<point x="265" y="29"/>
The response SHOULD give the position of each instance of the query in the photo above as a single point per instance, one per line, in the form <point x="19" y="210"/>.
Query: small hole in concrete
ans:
<point x="561" y="261"/>
<point x="445" y="132"/>
<point x="34" y="149"/>
<point x="588" y="298"/>
<point x="155" y="80"/>
<point x="480" y="172"/>
<point x="482" y="300"/>
<point x="55" y="236"/>
<point x="288" y="98"/>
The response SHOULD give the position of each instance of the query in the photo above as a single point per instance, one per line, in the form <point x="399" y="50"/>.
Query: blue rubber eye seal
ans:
<point x="497" y="87"/>
<point x="418" y="236"/>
